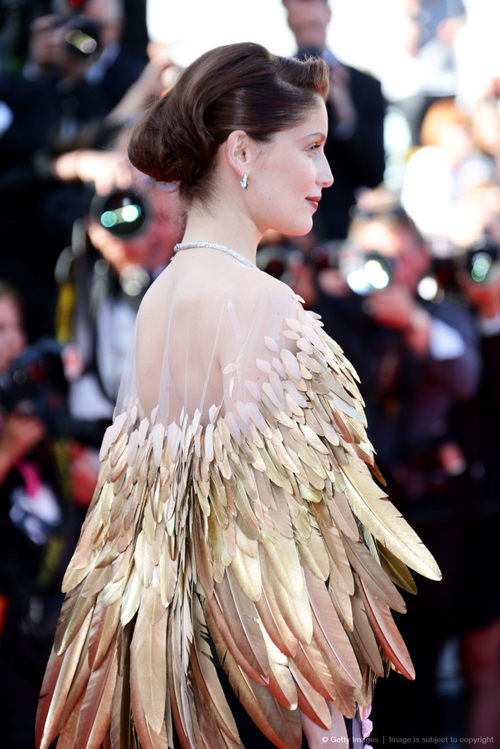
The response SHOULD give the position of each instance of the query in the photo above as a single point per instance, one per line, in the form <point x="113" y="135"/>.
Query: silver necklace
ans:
<point x="215" y="246"/>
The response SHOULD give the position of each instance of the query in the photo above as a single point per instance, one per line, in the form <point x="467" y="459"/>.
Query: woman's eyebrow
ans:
<point x="314" y="135"/>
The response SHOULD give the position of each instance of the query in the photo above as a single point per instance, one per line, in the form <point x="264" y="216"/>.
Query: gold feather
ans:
<point x="275" y="624"/>
<point x="220" y="625"/>
<point x="281" y="726"/>
<point x="387" y="633"/>
<point x="364" y="638"/>
<point x="121" y="730"/>
<point x="205" y="676"/>
<point x="281" y="682"/>
<point x="148" y="662"/>
<point x="310" y="662"/>
<point x="396" y="569"/>
<point x="311" y="703"/>
<point x="331" y="636"/>
<point x="68" y="736"/>
<point x="56" y="686"/>
<point x="370" y="505"/>
<point x="245" y="631"/>
<point x="314" y="554"/>
<point x="373" y="575"/>
<point x="95" y="712"/>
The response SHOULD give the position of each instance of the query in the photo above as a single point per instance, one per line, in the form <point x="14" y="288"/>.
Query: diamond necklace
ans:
<point x="215" y="246"/>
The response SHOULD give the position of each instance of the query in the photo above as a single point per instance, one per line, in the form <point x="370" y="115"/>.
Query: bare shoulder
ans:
<point x="155" y="299"/>
<point x="269" y="288"/>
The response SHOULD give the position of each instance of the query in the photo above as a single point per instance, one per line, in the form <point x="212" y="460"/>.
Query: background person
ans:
<point x="103" y="277"/>
<point x="356" y="110"/>
<point x="38" y="523"/>
<point x="474" y="224"/>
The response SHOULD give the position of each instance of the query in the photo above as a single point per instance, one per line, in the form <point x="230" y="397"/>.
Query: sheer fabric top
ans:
<point x="201" y="334"/>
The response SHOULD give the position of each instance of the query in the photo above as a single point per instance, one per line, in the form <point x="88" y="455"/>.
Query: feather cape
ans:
<point x="260" y="536"/>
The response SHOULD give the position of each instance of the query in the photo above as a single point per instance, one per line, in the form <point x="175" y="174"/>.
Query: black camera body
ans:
<point x="81" y="36"/>
<point x="366" y="271"/>
<point x="35" y="383"/>
<point x="124" y="213"/>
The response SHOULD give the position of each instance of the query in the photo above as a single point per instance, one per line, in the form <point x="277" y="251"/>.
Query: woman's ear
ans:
<point x="238" y="151"/>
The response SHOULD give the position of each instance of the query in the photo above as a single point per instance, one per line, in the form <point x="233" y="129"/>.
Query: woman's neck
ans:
<point x="227" y="227"/>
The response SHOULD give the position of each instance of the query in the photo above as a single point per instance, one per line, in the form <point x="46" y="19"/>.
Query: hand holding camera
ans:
<point x="18" y="436"/>
<point x="395" y="307"/>
<point x="370" y="274"/>
<point x="35" y="389"/>
<point x="67" y="45"/>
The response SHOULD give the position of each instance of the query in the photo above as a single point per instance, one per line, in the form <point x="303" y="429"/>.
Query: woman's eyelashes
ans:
<point x="316" y="146"/>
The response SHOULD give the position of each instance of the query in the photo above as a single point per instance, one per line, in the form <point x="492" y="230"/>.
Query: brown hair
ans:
<point x="237" y="86"/>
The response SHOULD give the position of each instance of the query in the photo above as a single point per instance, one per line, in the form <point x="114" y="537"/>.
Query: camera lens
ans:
<point x="81" y="42"/>
<point x="365" y="273"/>
<point x="123" y="213"/>
<point x="479" y="265"/>
<point x="481" y="260"/>
<point x="82" y="37"/>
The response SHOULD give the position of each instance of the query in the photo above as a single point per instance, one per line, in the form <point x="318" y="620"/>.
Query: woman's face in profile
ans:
<point x="290" y="173"/>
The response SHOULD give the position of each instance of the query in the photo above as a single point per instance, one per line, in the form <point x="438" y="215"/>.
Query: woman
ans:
<point x="235" y="526"/>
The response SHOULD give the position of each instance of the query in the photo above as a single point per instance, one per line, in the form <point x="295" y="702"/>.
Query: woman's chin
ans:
<point x="298" y="229"/>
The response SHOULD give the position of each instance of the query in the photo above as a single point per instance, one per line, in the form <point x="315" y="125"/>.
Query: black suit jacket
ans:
<point x="356" y="161"/>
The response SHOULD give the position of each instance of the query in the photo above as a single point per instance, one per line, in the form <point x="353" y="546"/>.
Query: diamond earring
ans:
<point x="244" y="181"/>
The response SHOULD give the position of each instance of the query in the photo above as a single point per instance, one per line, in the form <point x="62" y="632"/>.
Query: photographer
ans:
<point x="123" y="243"/>
<point x="80" y="44"/>
<point x="475" y="222"/>
<point x="72" y="79"/>
<point x="37" y="525"/>
<point x="430" y="342"/>
<point x="356" y="110"/>
<point x="76" y="75"/>
<point x="417" y="358"/>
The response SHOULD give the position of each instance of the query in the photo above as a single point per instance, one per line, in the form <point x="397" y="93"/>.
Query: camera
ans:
<point x="124" y="213"/>
<point x="366" y="272"/>
<point x="481" y="260"/>
<point x="81" y="37"/>
<point x="35" y="383"/>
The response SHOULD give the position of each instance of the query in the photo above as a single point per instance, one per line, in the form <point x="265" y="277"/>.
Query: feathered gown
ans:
<point x="235" y="513"/>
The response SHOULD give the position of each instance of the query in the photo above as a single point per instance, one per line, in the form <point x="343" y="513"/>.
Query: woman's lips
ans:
<point x="314" y="202"/>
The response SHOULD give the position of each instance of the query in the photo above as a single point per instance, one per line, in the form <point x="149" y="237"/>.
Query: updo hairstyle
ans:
<point x="234" y="87"/>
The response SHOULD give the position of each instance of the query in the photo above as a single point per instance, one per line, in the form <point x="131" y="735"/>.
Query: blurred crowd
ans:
<point x="403" y="264"/>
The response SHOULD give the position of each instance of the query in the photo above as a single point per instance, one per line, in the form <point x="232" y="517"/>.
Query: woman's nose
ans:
<point x="325" y="176"/>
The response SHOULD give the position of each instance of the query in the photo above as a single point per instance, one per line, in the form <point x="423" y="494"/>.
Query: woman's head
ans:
<point x="235" y="87"/>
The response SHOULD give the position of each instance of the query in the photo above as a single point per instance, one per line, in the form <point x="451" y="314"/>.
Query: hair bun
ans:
<point x="237" y="86"/>
<point x="166" y="145"/>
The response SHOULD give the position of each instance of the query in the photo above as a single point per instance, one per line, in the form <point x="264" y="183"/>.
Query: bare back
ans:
<point x="201" y="329"/>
